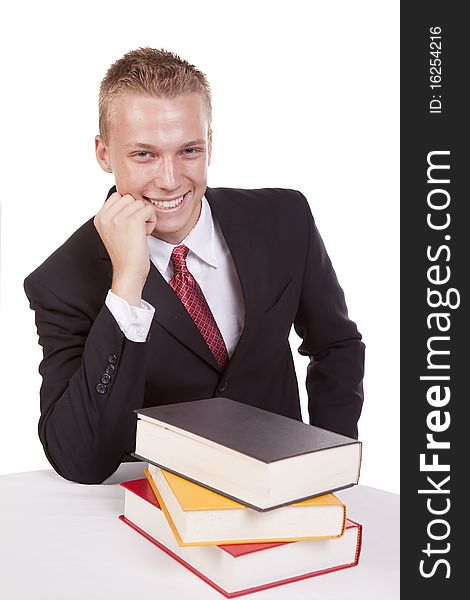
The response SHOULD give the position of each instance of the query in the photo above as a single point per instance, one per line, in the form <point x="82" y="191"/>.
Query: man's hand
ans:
<point x="123" y="225"/>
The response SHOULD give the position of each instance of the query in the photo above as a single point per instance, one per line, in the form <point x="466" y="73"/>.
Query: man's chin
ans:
<point x="170" y="236"/>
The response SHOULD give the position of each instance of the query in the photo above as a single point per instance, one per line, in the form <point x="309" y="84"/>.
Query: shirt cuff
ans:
<point x="133" y="321"/>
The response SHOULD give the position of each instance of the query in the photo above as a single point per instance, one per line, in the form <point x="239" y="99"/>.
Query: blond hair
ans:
<point x="150" y="72"/>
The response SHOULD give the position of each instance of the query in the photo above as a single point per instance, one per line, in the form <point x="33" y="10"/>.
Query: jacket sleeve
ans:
<point x="331" y="340"/>
<point x="93" y="379"/>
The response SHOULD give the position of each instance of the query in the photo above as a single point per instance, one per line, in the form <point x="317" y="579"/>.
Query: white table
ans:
<point x="62" y="540"/>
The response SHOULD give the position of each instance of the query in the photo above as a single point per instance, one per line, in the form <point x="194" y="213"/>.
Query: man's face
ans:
<point x="159" y="150"/>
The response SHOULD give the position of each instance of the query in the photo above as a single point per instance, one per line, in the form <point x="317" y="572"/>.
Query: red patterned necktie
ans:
<point x="188" y="291"/>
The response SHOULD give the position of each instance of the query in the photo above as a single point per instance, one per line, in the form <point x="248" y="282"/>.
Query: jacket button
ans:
<point x="112" y="359"/>
<point x="101" y="388"/>
<point x="110" y="369"/>
<point x="223" y="387"/>
<point x="106" y="378"/>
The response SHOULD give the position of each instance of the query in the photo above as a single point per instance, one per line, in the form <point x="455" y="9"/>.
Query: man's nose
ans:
<point x="167" y="174"/>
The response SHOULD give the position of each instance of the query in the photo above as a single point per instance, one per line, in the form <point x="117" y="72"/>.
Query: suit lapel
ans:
<point x="249" y="254"/>
<point x="172" y="316"/>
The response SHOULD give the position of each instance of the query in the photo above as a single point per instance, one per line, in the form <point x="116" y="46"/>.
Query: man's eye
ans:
<point x="191" y="151"/>
<point x="143" y="154"/>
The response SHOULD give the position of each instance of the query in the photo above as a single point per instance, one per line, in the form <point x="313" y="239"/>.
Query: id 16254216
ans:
<point x="435" y="70"/>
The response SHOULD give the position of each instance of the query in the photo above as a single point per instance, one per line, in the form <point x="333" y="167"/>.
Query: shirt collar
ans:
<point x="200" y="240"/>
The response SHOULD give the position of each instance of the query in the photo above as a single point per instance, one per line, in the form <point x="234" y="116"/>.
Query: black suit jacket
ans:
<point x="93" y="377"/>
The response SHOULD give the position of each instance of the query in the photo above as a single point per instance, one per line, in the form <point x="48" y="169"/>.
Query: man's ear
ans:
<point x="209" y="146"/>
<point x="102" y="154"/>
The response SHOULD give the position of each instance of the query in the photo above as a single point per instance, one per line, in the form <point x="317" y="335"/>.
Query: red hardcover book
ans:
<point x="238" y="569"/>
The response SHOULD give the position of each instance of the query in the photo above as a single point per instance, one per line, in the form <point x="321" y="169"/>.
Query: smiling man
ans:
<point x="175" y="291"/>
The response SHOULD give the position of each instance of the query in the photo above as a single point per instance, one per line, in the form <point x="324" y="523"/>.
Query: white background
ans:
<point x="305" y="96"/>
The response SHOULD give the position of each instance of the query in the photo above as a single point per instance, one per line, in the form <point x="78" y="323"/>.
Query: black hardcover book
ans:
<point x="259" y="458"/>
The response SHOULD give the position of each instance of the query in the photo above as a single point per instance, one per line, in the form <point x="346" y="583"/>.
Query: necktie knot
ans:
<point x="178" y="259"/>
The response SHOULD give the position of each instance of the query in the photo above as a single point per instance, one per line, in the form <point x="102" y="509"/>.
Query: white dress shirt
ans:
<point x="210" y="263"/>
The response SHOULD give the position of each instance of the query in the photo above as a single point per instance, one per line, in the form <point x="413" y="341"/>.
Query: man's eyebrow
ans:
<point x="144" y="146"/>
<point x="194" y="143"/>
<point x="139" y="145"/>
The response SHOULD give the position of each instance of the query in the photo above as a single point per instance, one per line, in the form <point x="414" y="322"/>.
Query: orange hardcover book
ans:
<point x="199" y="516"/>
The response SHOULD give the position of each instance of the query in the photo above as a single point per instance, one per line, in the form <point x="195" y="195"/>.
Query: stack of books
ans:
<point x="243" y="497"/>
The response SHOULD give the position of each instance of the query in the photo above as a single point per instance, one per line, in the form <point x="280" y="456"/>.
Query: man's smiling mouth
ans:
<point x="173" y="203"/>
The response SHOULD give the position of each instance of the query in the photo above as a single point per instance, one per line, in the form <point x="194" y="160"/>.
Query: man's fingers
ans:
<point x="114" y="207"/>
<point x="114" y="204"/>
<point x="150" y="219"/>
<point x="126" y="209"/>
<point x="138" y="210"/>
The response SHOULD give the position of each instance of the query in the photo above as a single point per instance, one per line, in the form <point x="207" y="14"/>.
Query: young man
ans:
<point x="176" y="291"/>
